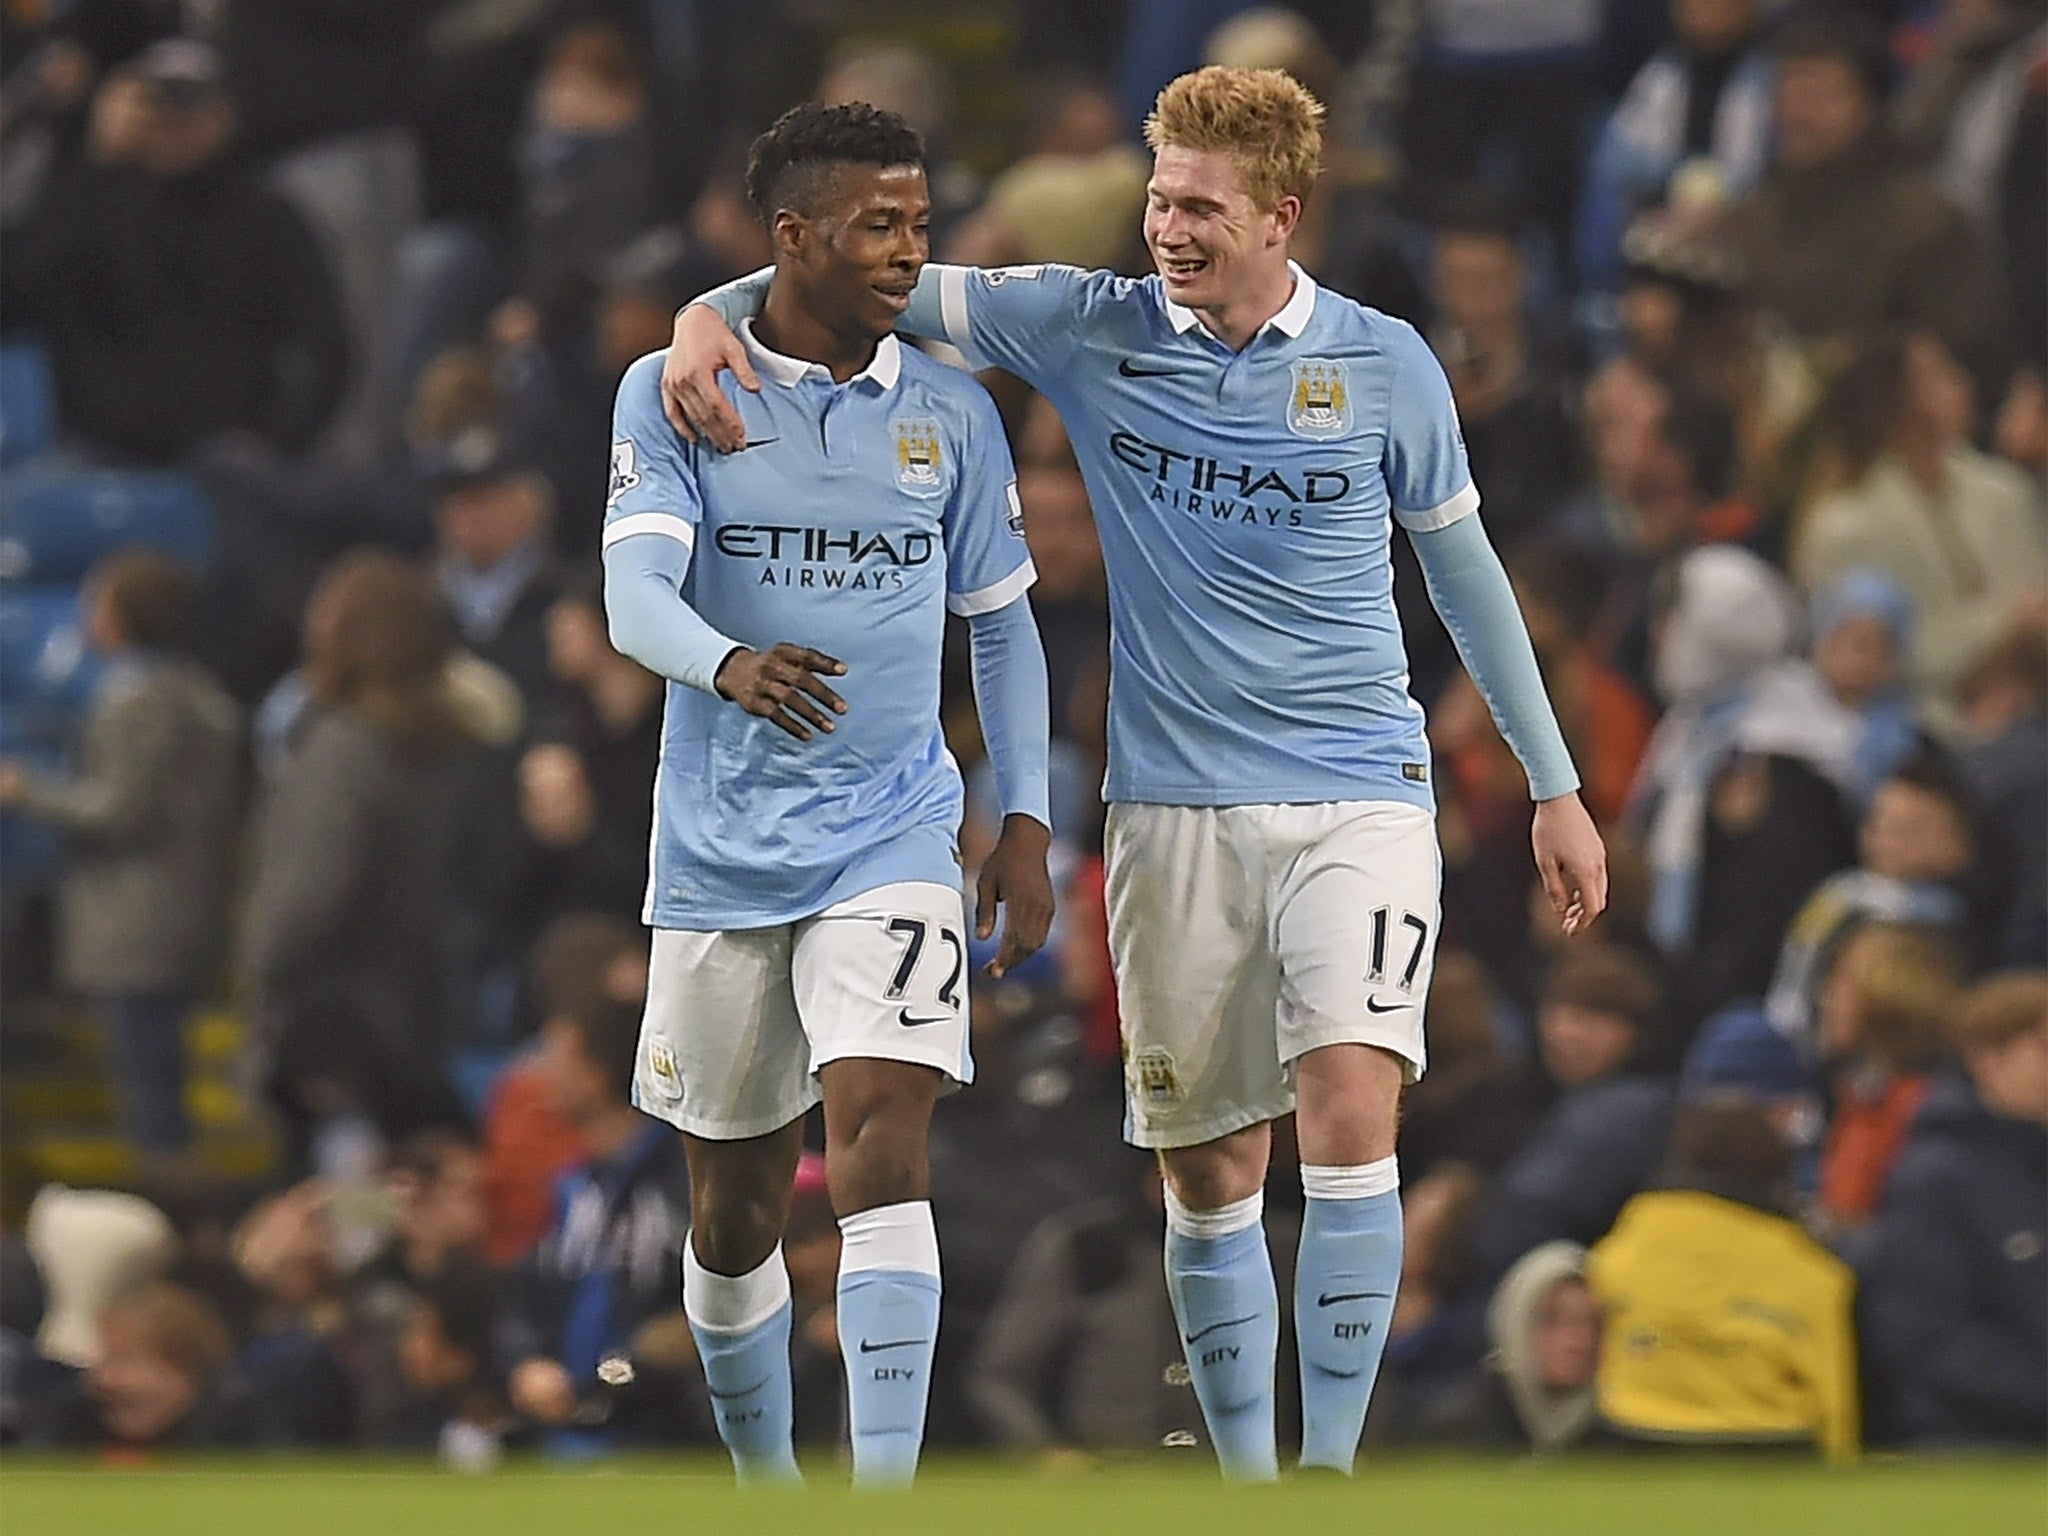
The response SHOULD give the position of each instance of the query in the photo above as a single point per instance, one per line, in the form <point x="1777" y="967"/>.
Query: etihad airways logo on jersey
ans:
<point x="826" y="559"/>
<point x="1225" y="489"/>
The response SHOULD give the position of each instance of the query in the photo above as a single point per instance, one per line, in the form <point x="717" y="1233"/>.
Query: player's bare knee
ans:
<point x="1347" y="1105"/>
<point x="1219" y="1173"/>
<point x="734" y="1234"/>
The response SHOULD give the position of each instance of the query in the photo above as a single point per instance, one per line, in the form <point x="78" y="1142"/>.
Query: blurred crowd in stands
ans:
<point x="310" y="315"/>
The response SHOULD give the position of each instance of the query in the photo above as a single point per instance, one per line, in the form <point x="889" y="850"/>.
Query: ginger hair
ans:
<point x="1264" y="119"/>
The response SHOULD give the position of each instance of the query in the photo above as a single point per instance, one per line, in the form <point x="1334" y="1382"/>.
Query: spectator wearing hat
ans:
<point x="1956" y="1278"/>
<point x="493" y="559"/>
<point x="179" y="298"/>
<point x="1861" y="625"/>
<point x="1738" y="1054"/>
<point x="151" y="818"/>
<point x="91" y="1248"/>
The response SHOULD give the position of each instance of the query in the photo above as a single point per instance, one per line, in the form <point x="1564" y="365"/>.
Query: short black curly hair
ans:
<point x="788" y="165"/>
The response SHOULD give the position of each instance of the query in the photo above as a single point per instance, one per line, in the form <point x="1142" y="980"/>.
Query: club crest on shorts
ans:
<point x="918" y="456"/>
<point x="1154" y="1077"/>
<point x="1319" y="404"/>
<point x="663" y="1074"/>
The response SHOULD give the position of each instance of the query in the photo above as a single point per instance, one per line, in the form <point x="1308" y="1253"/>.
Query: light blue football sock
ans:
<point x="1345" y="1282"/>
<point x="1221" y="1280"/>
<point x="745" y="1355"/>
<point x="888" y="1329"/>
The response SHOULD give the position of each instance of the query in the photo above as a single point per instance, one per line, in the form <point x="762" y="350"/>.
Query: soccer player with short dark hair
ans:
<point x="805" y="897"/>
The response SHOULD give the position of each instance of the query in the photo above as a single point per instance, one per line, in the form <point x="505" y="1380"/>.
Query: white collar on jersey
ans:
<point x="786" y="371"/>
<point x="1293" y="316"/>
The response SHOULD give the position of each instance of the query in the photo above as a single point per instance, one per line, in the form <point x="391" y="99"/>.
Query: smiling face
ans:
<point x="857" y="254"/>
<point x="1213" y="245"/>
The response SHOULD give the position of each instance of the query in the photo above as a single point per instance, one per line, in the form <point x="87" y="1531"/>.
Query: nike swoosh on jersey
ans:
<point x="1330" y="1299"/>
<point x="903" y="1017"/>
<point x="1374" y="1005"/>
<point x="761" y="442"/>
<point x="1226" y="1323"/>
<point x="875" y="1349"/>
<point x="1124" y="367"/>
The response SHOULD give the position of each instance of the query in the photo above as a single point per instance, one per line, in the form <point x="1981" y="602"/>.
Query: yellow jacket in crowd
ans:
<point x="1723" y="1322"/>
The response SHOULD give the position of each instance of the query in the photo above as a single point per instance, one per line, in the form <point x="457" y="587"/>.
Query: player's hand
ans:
<point x="1572" y="861"/>
<point x="702" y="348"/>
<point x="1015" y="875"/>
<point x="784" y="684"/>
<point x="541" y="1389"/>
<point x="13" y="782"/>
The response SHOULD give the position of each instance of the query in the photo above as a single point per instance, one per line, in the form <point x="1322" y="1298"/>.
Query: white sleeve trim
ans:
<point x="1443" y="514"/>
<point x="997" y="595"/>
<point x="953" y="306"/>
<point x="666" y="523"/>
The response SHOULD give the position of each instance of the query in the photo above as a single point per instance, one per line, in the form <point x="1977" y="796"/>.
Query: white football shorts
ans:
<point x="739" y="1023"/>
<point x="1246" y="936"/>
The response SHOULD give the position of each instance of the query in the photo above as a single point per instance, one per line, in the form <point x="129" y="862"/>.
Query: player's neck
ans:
<point x="786" y="326"/>
<point x="1236" y="322"/>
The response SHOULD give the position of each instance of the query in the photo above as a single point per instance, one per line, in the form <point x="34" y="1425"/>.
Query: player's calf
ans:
<point x="1349" y="1267"/>
<point x="1220" y="1278"/>
<point x="736" y="1295"/>
<point x="877" y="1119"/>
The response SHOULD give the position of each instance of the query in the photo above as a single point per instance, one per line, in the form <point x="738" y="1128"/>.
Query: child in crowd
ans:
<point x="1880" y="1033"/>
<point x="1916" y="845"/>
<point x="1862" y="625"/>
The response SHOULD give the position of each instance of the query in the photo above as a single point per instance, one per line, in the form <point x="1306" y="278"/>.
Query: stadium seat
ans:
<point x="28" y="402"/>
<point x="45" y="666"/>
<point x="55" y="523"/>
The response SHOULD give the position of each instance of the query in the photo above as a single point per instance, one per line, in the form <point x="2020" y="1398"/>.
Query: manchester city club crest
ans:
<point x="917" y="456"/>
<point x="1319" y="405"/>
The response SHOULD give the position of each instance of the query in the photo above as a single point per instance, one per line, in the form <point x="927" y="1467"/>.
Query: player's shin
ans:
<point x="1220" y="1277"/>
<point x="1344" y="1287"/>
<point x="888" y="1330"/>
<point x="741" y="1325"/>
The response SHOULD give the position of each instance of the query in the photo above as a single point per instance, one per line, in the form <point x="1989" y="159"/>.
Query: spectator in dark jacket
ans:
<point x="349" y="905"/>
<point x="1603" y="1138"/>
<point x="151" y="822"/>
<point x="492" y="514"/>
<point x="607" y="1268"/>
<point x="179" y="298"/>
<point x="2005" y="705"/>
<point x="1955" y="1313"/>
<point x="585" y="808"/>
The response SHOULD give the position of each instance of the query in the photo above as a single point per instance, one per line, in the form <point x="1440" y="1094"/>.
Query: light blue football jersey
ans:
<point x="1245" y="502"/>
<point x="859" y="514"/>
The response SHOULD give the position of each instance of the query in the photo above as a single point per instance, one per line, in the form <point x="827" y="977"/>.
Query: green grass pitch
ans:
<point x="1640" y="1496"/>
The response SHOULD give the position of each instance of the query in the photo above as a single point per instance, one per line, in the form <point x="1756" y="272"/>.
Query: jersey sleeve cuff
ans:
<point x="1443" y="514"/>
<point x="666" y="523"/>
<point x="999" y="594"/>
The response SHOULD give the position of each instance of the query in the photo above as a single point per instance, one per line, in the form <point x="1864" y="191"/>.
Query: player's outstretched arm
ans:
<point x="1470" y="589"/>
<point x="1016" y="716"/>
<point x="704" y="345"/>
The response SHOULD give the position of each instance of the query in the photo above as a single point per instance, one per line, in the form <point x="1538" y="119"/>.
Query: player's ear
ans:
<point x="1286" y="217"/>
<point x="790" y="231"/>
